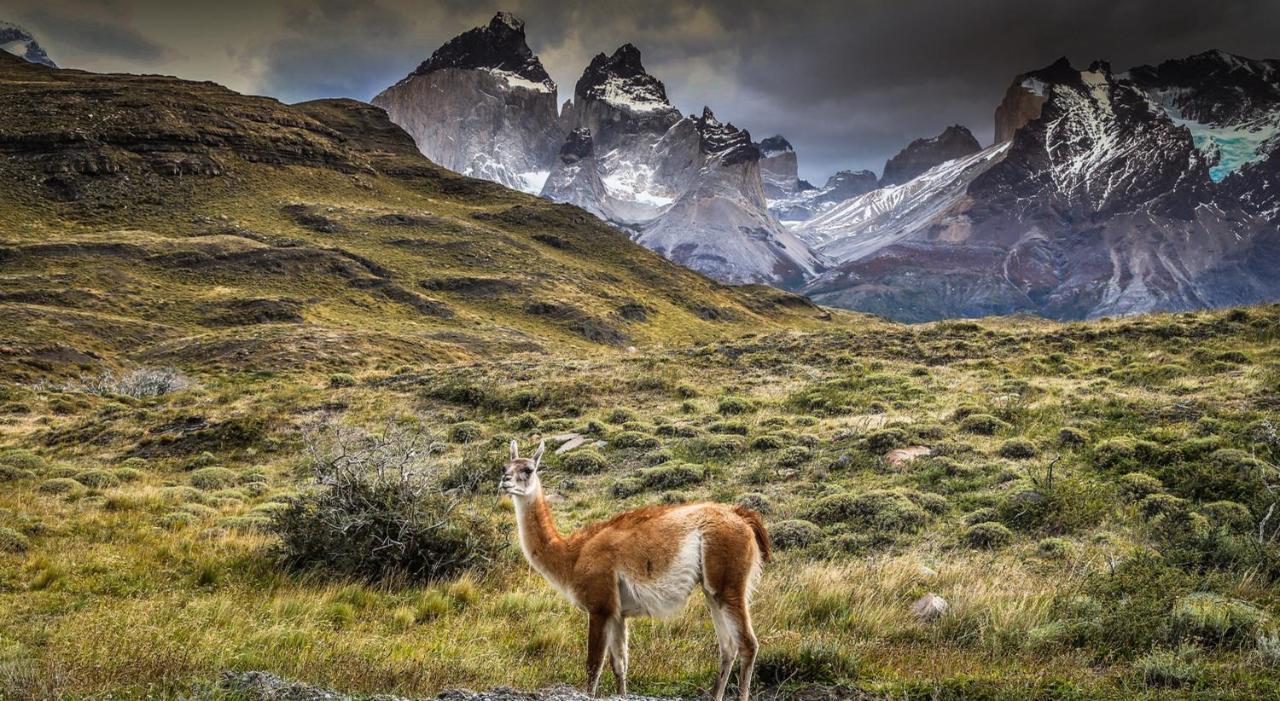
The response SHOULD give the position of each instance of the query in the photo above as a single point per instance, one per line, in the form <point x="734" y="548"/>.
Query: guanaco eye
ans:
<point x="527" y="471"/>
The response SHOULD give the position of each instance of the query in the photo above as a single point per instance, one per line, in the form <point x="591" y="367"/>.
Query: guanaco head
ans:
<point x="520" y="476"/>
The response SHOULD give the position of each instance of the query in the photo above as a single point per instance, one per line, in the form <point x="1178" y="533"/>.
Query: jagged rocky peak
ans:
<point x="577" y="146"/>
<point x="482" y="105"/>
<point x="922" y="154"/>
<point x="775" y="145"/>
<point x="732" y="144"/>
<point x="500" y="46"/>
<point x="23" y="44"/>
<point x="845" y="184"/>
<point x="779" y="168"/>
<point x="621" y="81"/>
<point x="1026" y="97"/>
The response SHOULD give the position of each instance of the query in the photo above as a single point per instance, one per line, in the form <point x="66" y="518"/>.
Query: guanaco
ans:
<point x="645" y="562"/>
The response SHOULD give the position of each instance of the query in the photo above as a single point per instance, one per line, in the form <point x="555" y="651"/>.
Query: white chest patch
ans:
<point x="665" y="593"/>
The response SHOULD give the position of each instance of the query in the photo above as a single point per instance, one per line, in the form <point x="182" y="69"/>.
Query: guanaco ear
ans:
<point x="515" y="450"/>
<point x="537" y="454"/>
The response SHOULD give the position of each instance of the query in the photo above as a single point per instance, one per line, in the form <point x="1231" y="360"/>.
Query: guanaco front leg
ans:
<point x="597" y="641"/>
<point x="617" y="628"/>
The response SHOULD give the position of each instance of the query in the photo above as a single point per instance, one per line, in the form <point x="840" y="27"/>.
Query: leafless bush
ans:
<point x="379" y="511"/>
<point x="139" y="383"/>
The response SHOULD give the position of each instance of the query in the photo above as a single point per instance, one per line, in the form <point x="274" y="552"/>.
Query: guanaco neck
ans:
<point x="541" y="542"/>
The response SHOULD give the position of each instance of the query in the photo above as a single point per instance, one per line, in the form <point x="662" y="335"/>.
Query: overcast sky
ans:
<point x="847" y="82"/>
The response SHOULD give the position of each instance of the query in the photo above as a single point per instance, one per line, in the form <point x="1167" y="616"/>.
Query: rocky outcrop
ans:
<point x="1103" y="205"/>
<point x="19" y="42"/>
<point x="922" y="154"/>
<point x="575" y="176"/>
<point x="721" y="225"/>
<point x="1024" y="99"/>
<point x="482" y="105"/>
<point x="778" y="168"/>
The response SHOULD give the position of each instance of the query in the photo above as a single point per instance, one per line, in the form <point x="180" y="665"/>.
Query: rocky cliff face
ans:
<point x="721" y="225"/>
<point x="575" y="176"/>
<point x="779" y="168"/>
<point x="21" y="43"/>
<point x="482" y="105"/>
<point x="922" y="154"/>
<point x="1102" y="205"/>
<point x="1023" y="100"/>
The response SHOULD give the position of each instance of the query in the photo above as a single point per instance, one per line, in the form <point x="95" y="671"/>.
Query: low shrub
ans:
<point x="525" y="422"/>
<point x="465" y="432"/>
<point x="795" y="456"/>
<point x="139" y="384"/>
<point x="757" y="502"/>
<point x="1169" y="668"/>
<point x="11" y="541"/>
<point x="20" y="459"/>
<point x="987" y="534"/>
<point x="9" y="473"/>
<point x="672" y="475"/>
<point x="97" y="479"/>
<point x="1054" y="547"/>
<point x="795" y="533"/>
<point x="1125" y="454"/>
<point x="732" y="406"/>
<point x="1136" y="486"/>
<point x="1216" y="620"/>
<point x="379" y="513"/>
<point x="885" y="439"/>
<point x="620" y="416"/>
<point x="766" y="442"/>
<point x="1155" y="505"/>
<point x="883" y="510"/>
<point x="1070" y="436"/>
<point x="813" y="663"/>
<point x="62" y="485"/>
<point x="736" y="428"/>
<point x="633" y="439"/>
<point x="1229" y="516"/>
<point x="1018" y="449"/>
<point x="210" y="478"/>
<point x="716" y="447"/>
<point x="341" y="379"/>
<point x="983" y="424"/>
<point x="584" y="462"/>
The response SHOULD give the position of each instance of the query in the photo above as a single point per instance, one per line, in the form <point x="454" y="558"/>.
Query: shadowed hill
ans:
<point x="151" y="218"/>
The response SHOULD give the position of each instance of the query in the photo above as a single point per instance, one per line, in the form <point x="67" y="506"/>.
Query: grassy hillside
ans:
<point x="154" y="219"/>
<point x="175" y="339"/>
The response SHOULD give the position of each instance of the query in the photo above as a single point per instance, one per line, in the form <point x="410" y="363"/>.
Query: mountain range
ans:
<point x="1106" y="192"/>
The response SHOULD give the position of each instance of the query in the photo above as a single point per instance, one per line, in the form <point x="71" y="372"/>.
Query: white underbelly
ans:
<point x="664" y="595"/>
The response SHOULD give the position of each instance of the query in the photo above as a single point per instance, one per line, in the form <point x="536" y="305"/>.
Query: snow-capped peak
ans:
<point x="500" y="48"/>
<point x="621" y="81"/>
<point x="21" y="43"/>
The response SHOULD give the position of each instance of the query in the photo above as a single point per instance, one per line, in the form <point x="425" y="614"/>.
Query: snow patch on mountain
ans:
<point x="879" y="218"/>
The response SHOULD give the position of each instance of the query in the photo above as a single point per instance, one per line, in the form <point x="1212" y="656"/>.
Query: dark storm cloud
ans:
<point x="848" y="83"/>
<point x="91" y="35"/>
